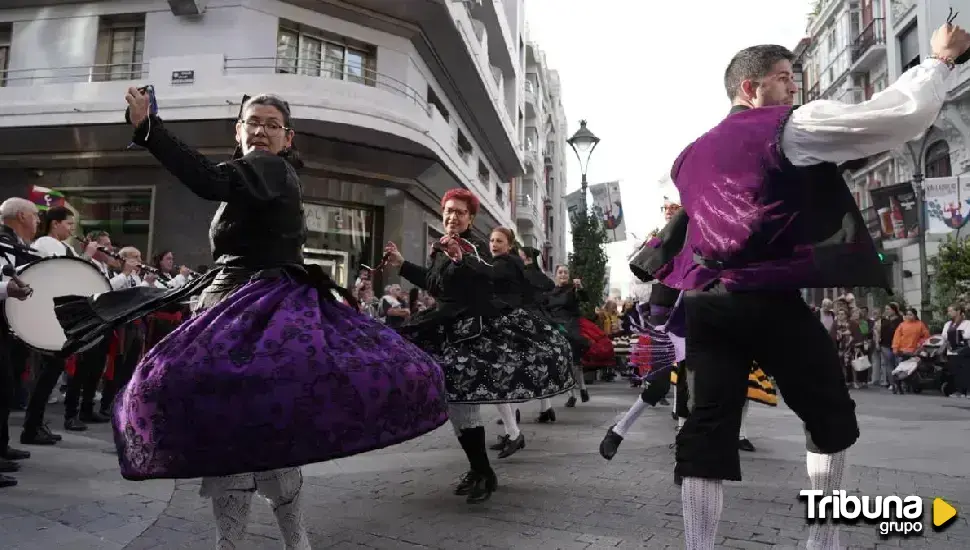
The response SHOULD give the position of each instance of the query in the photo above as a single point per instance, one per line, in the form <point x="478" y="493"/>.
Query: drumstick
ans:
<point x="9" y="271"/>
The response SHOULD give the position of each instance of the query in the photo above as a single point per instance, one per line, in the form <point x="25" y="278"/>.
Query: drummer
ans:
<point x="19" y="224"/>
<point x="56" y="229"/>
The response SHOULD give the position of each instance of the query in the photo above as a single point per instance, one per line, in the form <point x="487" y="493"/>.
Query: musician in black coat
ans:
<point x="20" y="220"/>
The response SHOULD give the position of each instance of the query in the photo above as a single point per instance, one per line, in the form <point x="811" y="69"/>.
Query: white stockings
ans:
<point x="744" y="416"/>
<point x="631" y="416"/>
<point x="508" y="420"/>
<point x="825" y="472"/>
<point x="703" y="500"/>
<point x="232" y="498"/>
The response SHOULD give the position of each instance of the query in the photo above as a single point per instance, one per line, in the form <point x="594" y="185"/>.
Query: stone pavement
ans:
<point x="557" y="493"/>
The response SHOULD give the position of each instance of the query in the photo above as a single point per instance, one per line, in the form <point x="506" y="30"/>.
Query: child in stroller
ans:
<point x="922" y="370"/>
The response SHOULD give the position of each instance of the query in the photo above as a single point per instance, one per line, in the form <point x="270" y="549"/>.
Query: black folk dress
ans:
<point x="491" y="348"/>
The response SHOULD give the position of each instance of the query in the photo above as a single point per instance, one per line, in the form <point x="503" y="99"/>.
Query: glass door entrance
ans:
<point x="334" y="263"/>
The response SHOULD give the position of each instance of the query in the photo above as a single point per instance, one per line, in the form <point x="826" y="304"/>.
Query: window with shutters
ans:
<point x="5" y="36"/>
<point x="312" y="52"/>
<point x="121" y="48"/>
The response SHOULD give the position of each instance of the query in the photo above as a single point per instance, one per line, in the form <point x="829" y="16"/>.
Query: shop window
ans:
<point x="339" y="238"/>
<point x="126" y="214"/>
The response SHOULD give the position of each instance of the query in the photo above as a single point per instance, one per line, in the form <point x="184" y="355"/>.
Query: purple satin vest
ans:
<point x="757" y="222"/>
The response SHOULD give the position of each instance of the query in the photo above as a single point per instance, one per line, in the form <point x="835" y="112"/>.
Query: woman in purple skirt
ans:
<point x="272" y="372"/>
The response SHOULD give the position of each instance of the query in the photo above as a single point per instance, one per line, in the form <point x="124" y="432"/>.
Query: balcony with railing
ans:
<point x="530" y="99"/>
<point x="527" y="211"/>
<point x="870" y="46"/>
<point x="813" y="93"/>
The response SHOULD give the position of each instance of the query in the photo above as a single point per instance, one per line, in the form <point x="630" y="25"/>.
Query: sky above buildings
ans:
<point x="647" y="77"/>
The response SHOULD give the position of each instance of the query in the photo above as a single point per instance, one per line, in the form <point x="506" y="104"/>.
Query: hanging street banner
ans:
<point x="896" y="221"/>
<point x="947" y="204"/>
<point x="608" y="207"/>
<point x="574" y="204"/>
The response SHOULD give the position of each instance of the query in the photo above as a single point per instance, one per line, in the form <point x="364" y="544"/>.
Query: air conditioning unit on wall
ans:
<point x="187" y="7"/>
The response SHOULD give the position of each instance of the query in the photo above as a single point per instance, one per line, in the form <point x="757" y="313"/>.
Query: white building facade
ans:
<point x="540" y="207"/>
<point x="393" y="104"/>
<point x="853" y="50"/>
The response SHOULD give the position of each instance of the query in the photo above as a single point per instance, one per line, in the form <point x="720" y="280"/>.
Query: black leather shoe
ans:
<point x="37" y="437"/>
<point x="483" y="488"/>
<point x="7" y="481"/>
<point x="94" y="418"/>
<point x="745" y="445"/>
<point x="663" y="401"/>
<point x="610" y="444"/>
<point x="584" y="395"/>
<point x="47" y="429"/>
<point x="571" y="402"/>
<point x="501" y="443"/>
<point x="512" y="446"/>
<point x="466" y="483"/>
<point x="8" y="466"/>
<point x="547" y="416"/>
<point x="74" y="425"/>
<point x="518" y="416"/>
<point x="14" y="454"/>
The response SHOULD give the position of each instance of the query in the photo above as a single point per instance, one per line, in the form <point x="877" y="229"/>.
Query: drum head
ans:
<point x="33" y="320"/>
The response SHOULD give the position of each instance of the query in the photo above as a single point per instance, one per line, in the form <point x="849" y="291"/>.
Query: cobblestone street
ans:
<point x="557" y="493"/>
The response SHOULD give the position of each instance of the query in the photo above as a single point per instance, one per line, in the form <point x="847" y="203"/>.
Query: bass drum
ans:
<point x="33" y="320"/>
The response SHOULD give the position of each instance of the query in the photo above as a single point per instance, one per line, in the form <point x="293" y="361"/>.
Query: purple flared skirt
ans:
<point x="273" y="377"/>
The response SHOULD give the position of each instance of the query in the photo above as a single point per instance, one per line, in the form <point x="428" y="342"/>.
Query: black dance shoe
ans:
<point x="38" y="437"/>
<point x="584" y="395"/>
<point x="745" y="445"/>
<point x="571" y="402"/>
<point x="482" y="489"/>
<point x="7" y="481"/>
<point x="512" y="446"/>
<point x="610" y="444"/>
<point x="501" y="443"/>
<point x="547" y="416"/>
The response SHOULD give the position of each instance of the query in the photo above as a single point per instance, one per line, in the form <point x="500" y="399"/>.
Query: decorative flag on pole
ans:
<point x="45" y="198"/>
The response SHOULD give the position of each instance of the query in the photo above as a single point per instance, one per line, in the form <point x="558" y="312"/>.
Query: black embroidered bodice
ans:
<point x="260" y="220"/>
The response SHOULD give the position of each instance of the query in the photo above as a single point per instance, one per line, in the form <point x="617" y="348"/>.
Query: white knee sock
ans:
<point x="545" y="404"/>
<point x="508" y="420"/>
<point x="580" y="379"/>
<point x="703" y="500"/>
<point x="744" y="416"/>
<point x="630" y="417"/>
<point x="673" y="402"/>
<point x="825" y="472"/>
<point x="231" y="509"/>
<point x="284" y="489"/>
<point x="680" y="422"/>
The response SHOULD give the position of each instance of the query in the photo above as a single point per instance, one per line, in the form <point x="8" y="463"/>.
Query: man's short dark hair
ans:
<point x="753" y="63"/>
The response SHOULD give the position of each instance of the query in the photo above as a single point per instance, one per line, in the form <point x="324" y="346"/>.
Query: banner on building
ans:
<point x="896" y="221"/>
<point x="947" y="204"/>
<point x="45" y="198"/>
<point x="608" y="207"/>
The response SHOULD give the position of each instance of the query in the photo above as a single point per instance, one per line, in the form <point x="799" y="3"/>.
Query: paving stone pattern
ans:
<point x="557" y="493"/>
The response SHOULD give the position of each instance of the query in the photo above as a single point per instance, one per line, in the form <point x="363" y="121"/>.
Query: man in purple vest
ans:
<point x="769" y="214"/>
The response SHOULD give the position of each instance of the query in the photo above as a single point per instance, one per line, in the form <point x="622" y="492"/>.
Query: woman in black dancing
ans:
<point x="492" y="350"/>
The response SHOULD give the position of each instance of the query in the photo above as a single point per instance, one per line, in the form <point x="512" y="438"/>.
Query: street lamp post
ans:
<point x="583" y="142"/>
<point x="919" y="162"/>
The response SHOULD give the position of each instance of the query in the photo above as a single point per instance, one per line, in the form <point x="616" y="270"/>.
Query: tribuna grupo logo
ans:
<point x="894" y="515"/>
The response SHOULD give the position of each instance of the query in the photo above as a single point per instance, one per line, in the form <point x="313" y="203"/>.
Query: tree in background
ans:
<point x="588" y="259"/>
<point x="951" y="277"/>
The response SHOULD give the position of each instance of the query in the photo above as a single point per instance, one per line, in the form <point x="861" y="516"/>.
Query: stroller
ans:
<point x="925" y="370"/>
